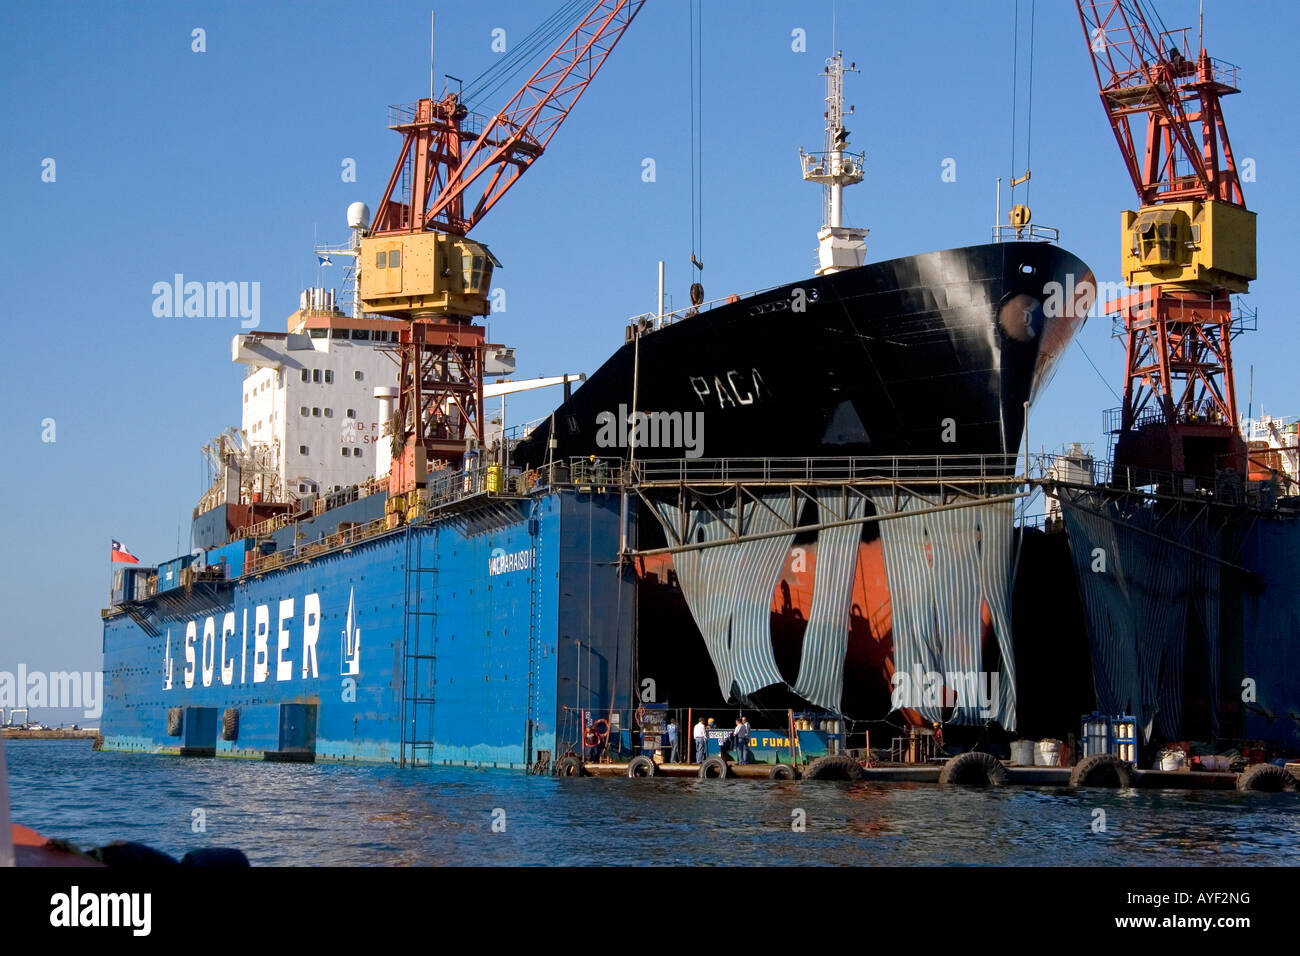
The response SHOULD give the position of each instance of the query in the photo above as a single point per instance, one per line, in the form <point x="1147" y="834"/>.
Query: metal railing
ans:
<point x="442" y="491"/>
<point x="890" y="468"/>
<point x="1029" y="233"/>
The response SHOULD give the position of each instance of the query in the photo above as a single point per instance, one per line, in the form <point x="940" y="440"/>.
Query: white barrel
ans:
<point x="1172" y="760"/>
<point x="1022" y="753"/>
<point x="1048" y="753"/>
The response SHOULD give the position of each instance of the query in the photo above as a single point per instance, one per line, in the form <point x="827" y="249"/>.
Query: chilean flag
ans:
<point x="121" y="554"/>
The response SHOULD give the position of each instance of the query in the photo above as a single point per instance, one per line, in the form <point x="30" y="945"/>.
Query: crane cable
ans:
<point x="695" y="17"/>
<point x="1015" y="84"/>
<point x="545" y="34"/>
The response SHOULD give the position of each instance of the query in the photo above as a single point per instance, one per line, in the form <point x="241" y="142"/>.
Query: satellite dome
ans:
<point x="358" y="215"/>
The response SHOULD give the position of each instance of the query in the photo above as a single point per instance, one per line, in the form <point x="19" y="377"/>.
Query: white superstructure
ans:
<point x="309" y="393"/>
<point x="1274" y="449"/>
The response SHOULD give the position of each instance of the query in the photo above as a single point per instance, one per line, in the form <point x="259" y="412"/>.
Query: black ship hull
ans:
<point x="926" y="355"/>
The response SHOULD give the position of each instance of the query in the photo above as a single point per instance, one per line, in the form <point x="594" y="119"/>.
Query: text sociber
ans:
<point x="213" y="652"/>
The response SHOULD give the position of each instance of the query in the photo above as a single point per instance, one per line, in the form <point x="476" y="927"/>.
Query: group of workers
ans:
<point x="737" y="739"/>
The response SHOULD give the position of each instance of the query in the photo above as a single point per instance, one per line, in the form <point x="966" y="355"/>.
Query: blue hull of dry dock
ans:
<point x="456" y="641"/>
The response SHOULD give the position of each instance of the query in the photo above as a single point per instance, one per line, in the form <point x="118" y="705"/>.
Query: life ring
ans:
<point x="596" y="728"/>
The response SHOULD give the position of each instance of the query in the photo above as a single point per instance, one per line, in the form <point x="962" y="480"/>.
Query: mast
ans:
<point x="834" y="167"/>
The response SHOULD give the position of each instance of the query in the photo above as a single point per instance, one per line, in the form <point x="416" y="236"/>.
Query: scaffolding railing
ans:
<point x="889" y="468"/>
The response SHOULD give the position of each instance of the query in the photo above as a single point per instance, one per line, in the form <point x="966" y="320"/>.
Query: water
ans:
<point x="334" y="814"/>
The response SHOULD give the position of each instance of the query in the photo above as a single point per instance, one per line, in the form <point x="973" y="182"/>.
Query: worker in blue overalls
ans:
<point x="674" y="741"/>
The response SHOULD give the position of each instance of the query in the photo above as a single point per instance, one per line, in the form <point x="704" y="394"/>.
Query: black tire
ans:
<point x="974" y="769"/>
<point x="642" y="766"/>
<point x="715" y="768"/>
<point x="570" y="766"/>
<point x="230" y="724"/>
<point x="1102" y="770"/>
<point x="175" y="721"/>
<point x="1266" y="778"/>
<point x="834" y="767"/>
<point x="781" y="771"/>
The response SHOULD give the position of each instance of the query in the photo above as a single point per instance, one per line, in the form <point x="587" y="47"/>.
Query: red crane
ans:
<point x="415" y="262"/>
<point x="1189" y="246"/>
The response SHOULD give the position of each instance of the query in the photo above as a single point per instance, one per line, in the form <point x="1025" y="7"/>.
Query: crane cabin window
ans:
<point x="473" y="267"/>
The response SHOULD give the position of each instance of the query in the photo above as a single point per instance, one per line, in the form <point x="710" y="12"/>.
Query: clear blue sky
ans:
<point x="222" y="166"/>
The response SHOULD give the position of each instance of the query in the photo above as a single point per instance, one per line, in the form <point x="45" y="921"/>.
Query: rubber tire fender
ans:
<point x="230" y="724"/>
<point x="781" y="771"/>
<point x="642" y="766"/>
<point x="1102" y="770"/>
<point x="1266" y="778"/>
<point x="974" y="768"/>
<point x="570" y="766"/>
<point x="175" y="721"/>
<point x="834" y="767"/>
<point x="714" y="768"/>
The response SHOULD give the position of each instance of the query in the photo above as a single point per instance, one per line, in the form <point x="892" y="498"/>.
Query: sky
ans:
<point x="226" y="165"/>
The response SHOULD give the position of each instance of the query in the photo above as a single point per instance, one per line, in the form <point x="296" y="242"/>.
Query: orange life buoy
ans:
<point x="599" y="730"/>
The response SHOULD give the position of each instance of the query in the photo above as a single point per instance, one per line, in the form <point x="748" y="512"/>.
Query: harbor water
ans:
<point x="343" y="814"/>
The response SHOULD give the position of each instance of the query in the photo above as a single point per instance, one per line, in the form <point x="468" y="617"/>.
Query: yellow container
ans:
<point x="495" y="479"/>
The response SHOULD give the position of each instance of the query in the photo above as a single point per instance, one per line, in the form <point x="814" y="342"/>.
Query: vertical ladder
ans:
<point x="419" y="662"/>
<point x="535" y="629"/>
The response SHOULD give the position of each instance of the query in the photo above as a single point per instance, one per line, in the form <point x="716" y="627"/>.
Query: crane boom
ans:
<point x="1142" y="75"/>
<point x="416" y="263"/>
<point x="443" y="156"/>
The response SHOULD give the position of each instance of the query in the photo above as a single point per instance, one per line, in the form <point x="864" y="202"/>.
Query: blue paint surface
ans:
<point x="476" y="623"/>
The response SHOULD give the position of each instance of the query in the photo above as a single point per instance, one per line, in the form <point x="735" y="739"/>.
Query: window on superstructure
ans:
<point x="362" y="334"/>
<point x="315" y="375"/>
<point x="339" y="334"/>
<point x="356" y="453"/>
<point x="306" y="375"/>
<point x="302" y="449"/>
<point x="359" y="376"/>
<point x="381" y="260"/>
<point x="344" y="451"/>
<point x="329" y="413"/>
<point x="394" y="258"/>
<point x="352" y="413"/>
<point x="315" y="412"/>
<point x="306" y="412"/>
<point x="329" y="376"/>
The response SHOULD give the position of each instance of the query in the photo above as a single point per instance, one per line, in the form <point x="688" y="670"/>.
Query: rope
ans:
<point x="1105" y="380"/>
